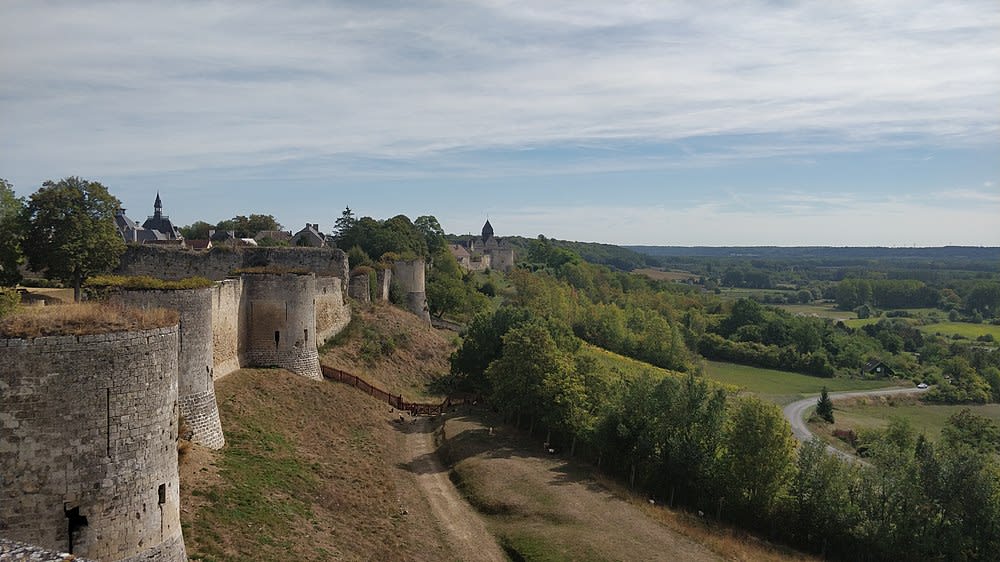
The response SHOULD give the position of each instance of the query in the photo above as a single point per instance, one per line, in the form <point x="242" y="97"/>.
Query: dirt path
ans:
<point x="465" y="530"/>
<point x="548" y="504"/>
<point x="795" y="412"/>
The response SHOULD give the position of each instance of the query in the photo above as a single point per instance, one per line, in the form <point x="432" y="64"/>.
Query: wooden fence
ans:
<point x="396" y="401"/>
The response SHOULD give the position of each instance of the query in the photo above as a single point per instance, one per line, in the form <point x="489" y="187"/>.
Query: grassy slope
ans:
<point x="782" y="387"/>
<point x="419" y="353"/>
<point x="311" y="470"/>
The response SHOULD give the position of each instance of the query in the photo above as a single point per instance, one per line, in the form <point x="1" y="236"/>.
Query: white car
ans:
<point x="922" y="385"/>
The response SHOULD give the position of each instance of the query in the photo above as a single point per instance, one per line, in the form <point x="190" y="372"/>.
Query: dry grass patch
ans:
<point x="82" y="319"/>
<point x="309" y="472"/>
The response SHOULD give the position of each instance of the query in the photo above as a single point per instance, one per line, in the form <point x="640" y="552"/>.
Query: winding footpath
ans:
<point x="795" y="412"/>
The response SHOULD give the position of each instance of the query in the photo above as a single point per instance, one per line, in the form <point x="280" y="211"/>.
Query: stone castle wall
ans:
<point x="280" y="323"/>
<point x="218" y="263"/>
<point x="195" y="387"/>
<point x="410" y="275"/>
<point x="333" y="314"/>
<point x="359" y="288"/>
<point x="88" y="442"/>
<point x="227" y="297"/>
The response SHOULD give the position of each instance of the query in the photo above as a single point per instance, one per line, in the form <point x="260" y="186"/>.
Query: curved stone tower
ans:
<point x="195" y="389"/>
<point x="88" y="451"/>
<point x="410" y="276"/>
<point x="280" y="326"/>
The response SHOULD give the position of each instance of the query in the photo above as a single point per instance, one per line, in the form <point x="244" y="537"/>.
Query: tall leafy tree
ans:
<point x="11" y="232"/>
<point x="758" y="458"/>
<point x="71" y="232"/>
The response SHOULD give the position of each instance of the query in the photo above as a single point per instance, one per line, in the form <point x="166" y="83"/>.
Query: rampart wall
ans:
<point x="221" y="262"/>
<point x="227" y="298"/>
<point x="195" y="388"/>
<point x="88" y="453"/>
<point x="280" y="322"/>
<point x="332" y="312"/>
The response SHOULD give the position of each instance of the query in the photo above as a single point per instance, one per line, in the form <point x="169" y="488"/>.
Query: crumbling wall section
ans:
<point x="410" y="275"/>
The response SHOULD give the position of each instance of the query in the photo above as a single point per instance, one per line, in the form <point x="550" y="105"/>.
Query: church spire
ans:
<point x="487" y="231"/>
<point x="157" y="205"/>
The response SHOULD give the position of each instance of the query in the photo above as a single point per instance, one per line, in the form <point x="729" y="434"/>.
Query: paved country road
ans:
<point x="795" y="412"/>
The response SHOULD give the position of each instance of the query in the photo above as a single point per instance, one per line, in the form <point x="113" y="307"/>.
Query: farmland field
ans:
<point x="782" y="387"/>
<point x="964" y="329"/>
<point x="860" y="414"/>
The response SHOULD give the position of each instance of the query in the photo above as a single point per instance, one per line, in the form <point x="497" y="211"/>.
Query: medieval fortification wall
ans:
<point x="280" y="323"/>
<point x="195" y="388"/>
<point x="88" y="424"/>
<point x="88" y="452"/>
<point x="166" y="262"/>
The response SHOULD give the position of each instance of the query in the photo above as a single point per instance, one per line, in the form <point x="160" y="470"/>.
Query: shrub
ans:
<point x="9" y="301"/>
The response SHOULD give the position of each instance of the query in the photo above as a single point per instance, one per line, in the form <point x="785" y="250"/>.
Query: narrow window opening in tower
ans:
<point x="161" y="494"/>
<point x="277" y="338"/>
<point x="306" y="331"/>
<point x="75" y="522"/>
<point x="107" y="428"/>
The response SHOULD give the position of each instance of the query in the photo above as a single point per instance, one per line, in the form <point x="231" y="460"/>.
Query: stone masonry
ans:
<point x="195" y="388"/>
<point x="88" y="453"/>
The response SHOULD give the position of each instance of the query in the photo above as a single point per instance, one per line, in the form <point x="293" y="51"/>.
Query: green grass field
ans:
<point x="782" y="387"/>
<point x="821" y="310"/>
<point x="964" y="329"/>
<point x="927" y="419"/>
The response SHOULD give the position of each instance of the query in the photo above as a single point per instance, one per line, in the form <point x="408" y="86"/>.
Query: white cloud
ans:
<point x="127" y="88"/>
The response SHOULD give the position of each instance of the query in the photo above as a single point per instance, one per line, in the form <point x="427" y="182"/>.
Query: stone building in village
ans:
<point x="158" y="229"/>
<point x="484" y="252"/>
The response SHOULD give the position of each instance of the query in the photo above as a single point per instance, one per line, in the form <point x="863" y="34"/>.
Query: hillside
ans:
<point x="391" y="349"/>
<point x="320" y="471"/>
<point x="317" y="470"/>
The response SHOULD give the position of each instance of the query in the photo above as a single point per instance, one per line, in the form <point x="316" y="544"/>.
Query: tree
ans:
<point x="345" y="223"/>
<point x="248" y="227"/>
<point x="11" y="231"/>
<point x="824" y="406"/>
<point x="530" y="355"/>
<point x="429" y="226"/>
<point x="759" y="456"/>
<point x="198" y="230"/>
<point x="71" y="231"/>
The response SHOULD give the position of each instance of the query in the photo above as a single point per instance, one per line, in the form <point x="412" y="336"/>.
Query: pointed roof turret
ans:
<point x="487" y="230"/>
<point x="157" y="204"/>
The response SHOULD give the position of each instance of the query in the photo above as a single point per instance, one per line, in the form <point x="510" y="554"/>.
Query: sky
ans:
<point x="782" y="123"/>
